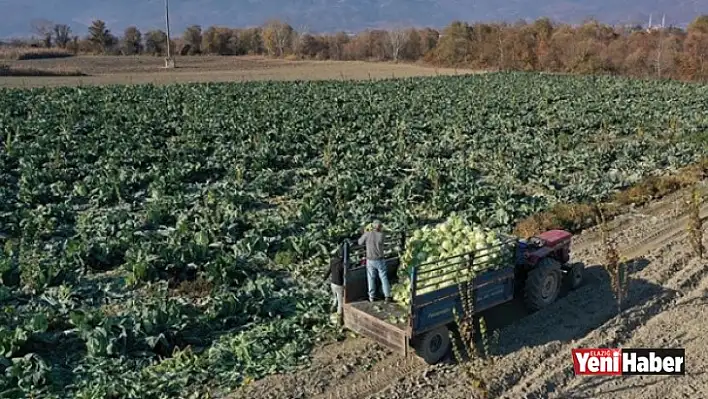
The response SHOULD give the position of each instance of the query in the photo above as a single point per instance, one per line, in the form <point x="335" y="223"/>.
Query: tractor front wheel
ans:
<point x="543" y="284"/>
<point x="574" y="276"/>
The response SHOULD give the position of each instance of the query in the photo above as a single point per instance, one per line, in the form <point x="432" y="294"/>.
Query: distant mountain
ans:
<point x="333" y="15"/>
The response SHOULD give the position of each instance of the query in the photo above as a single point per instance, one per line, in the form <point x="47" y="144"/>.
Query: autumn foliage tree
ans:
<point x="192" y="38"/>
<point x="695" y="50"/>
<point x="218" y="40"/>
<point x="543" y="45"/>
<point x="455" y="46"/>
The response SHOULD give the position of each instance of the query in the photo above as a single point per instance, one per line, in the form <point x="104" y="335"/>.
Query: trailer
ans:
<point x="535" y="268"/>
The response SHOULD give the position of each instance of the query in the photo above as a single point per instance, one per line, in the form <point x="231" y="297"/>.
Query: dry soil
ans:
<point x="667" y="306"/>
<point x="106" y="70"/>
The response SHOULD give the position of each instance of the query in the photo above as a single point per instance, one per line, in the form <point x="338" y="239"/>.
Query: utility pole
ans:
<point x="169" y="62"/>
<point x="660" y="47"/>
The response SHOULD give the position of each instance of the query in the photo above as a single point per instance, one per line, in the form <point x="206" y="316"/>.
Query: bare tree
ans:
<point x="62" y="35"/>
<point x="659" y="48"/>
<point x="500" y="44"/>
<point x="336" y="44"/>
<point x="299" y="36"/>
<point x="75" y="44"/>
<point x="41" y="27"/>
<point x="277" y="37"/>
<point x="397" y="39"/>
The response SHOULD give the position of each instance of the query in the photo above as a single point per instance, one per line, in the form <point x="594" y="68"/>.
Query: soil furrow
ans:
<point x="668" y="208"/>
<point x="378" y="379"/>
<point x="642" y="306"/>
<point x="532" y="356"/>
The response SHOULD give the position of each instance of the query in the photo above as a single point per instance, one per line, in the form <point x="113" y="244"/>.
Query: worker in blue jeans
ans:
<point x="375" y="261"/>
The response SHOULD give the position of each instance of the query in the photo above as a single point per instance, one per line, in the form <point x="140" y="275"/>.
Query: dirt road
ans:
<point x="109" y="70"/>
<point x="667" y="306"/>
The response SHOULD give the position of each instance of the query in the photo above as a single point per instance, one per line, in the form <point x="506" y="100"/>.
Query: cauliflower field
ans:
<point x="164" y="241"/>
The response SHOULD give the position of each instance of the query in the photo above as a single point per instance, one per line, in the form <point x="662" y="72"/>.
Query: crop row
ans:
<point x="158" y="239"/>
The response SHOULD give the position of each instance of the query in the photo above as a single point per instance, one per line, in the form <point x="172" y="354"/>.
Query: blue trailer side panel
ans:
<point x="434" y="309"/>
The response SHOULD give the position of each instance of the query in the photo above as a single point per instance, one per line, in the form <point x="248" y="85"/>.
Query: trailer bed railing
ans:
<point x="425" y="276"/>
<point x="435" y="286"/>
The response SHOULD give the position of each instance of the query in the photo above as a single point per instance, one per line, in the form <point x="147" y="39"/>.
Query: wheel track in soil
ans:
<point x="668" y="231"/>
<point x="387" y="372"/>
<point x="556" y="371"/>
<point x="553" y="371"/>
<point x="674" y="200"/>
<point x="394" y="368"/>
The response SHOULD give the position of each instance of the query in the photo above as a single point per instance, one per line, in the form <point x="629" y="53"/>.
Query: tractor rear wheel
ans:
<point x="543" y="284"/>
<point x="433" y="345"/>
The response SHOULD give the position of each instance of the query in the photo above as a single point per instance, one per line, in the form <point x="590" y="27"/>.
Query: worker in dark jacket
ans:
<point x="336" y="272"/>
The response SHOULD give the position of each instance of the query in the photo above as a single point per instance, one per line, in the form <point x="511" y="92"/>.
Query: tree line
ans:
<point x="542" y="45"/>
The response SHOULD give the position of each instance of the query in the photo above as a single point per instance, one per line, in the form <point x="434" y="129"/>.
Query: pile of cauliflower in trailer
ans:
<point x="452" y="238"/>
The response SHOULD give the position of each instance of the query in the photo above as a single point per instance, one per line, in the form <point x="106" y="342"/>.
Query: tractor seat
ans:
<point x="536" y="242"/>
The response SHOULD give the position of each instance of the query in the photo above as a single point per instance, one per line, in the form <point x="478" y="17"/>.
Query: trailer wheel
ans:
<point x="575" y="276"/>
<point x="433" y="345"/>
<point x="543" y="284"/>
